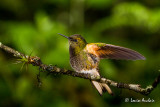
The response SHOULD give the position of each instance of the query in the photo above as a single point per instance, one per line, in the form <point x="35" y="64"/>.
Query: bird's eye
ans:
<point x="72" y="39"/>
<point x="75" y="40"/>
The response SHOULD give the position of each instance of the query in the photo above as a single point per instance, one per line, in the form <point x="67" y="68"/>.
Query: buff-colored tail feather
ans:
<point x="102" y="87"/>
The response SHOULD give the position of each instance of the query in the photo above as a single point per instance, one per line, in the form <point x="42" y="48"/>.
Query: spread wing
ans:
<point x="103" y="50"/>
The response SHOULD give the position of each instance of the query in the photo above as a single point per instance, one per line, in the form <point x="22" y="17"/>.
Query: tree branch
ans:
<point x="36" y="61"/>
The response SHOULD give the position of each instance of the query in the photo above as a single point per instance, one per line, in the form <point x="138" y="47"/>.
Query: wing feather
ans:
<point x="103" y="50"/>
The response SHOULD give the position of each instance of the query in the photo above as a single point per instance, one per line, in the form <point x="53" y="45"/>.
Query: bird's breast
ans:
<point x="83" y="61"/>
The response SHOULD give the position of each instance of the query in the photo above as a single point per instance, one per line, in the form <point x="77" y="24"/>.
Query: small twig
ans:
<point x="36" y="61"/>
<point x="39" y="80"/>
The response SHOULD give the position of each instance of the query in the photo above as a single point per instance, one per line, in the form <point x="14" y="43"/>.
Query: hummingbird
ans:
<point x="85" y="57"/>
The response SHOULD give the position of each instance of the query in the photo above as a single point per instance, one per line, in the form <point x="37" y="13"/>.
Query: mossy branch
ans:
<point x="36" y="61"/>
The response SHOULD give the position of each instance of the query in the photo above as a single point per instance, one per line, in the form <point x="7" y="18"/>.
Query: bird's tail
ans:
<point x="102" y="87"/>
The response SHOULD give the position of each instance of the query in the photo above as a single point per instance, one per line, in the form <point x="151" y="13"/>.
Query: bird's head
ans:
<point x="76" y="41"/>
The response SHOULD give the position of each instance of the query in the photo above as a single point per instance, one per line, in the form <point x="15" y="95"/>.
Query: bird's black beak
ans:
<point x="64" y="36"/>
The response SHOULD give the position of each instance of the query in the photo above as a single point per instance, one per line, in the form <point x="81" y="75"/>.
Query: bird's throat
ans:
<point x="74" y="51"/>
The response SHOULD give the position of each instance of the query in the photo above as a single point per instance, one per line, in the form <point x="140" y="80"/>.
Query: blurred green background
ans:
<point x="31" y="26"/>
